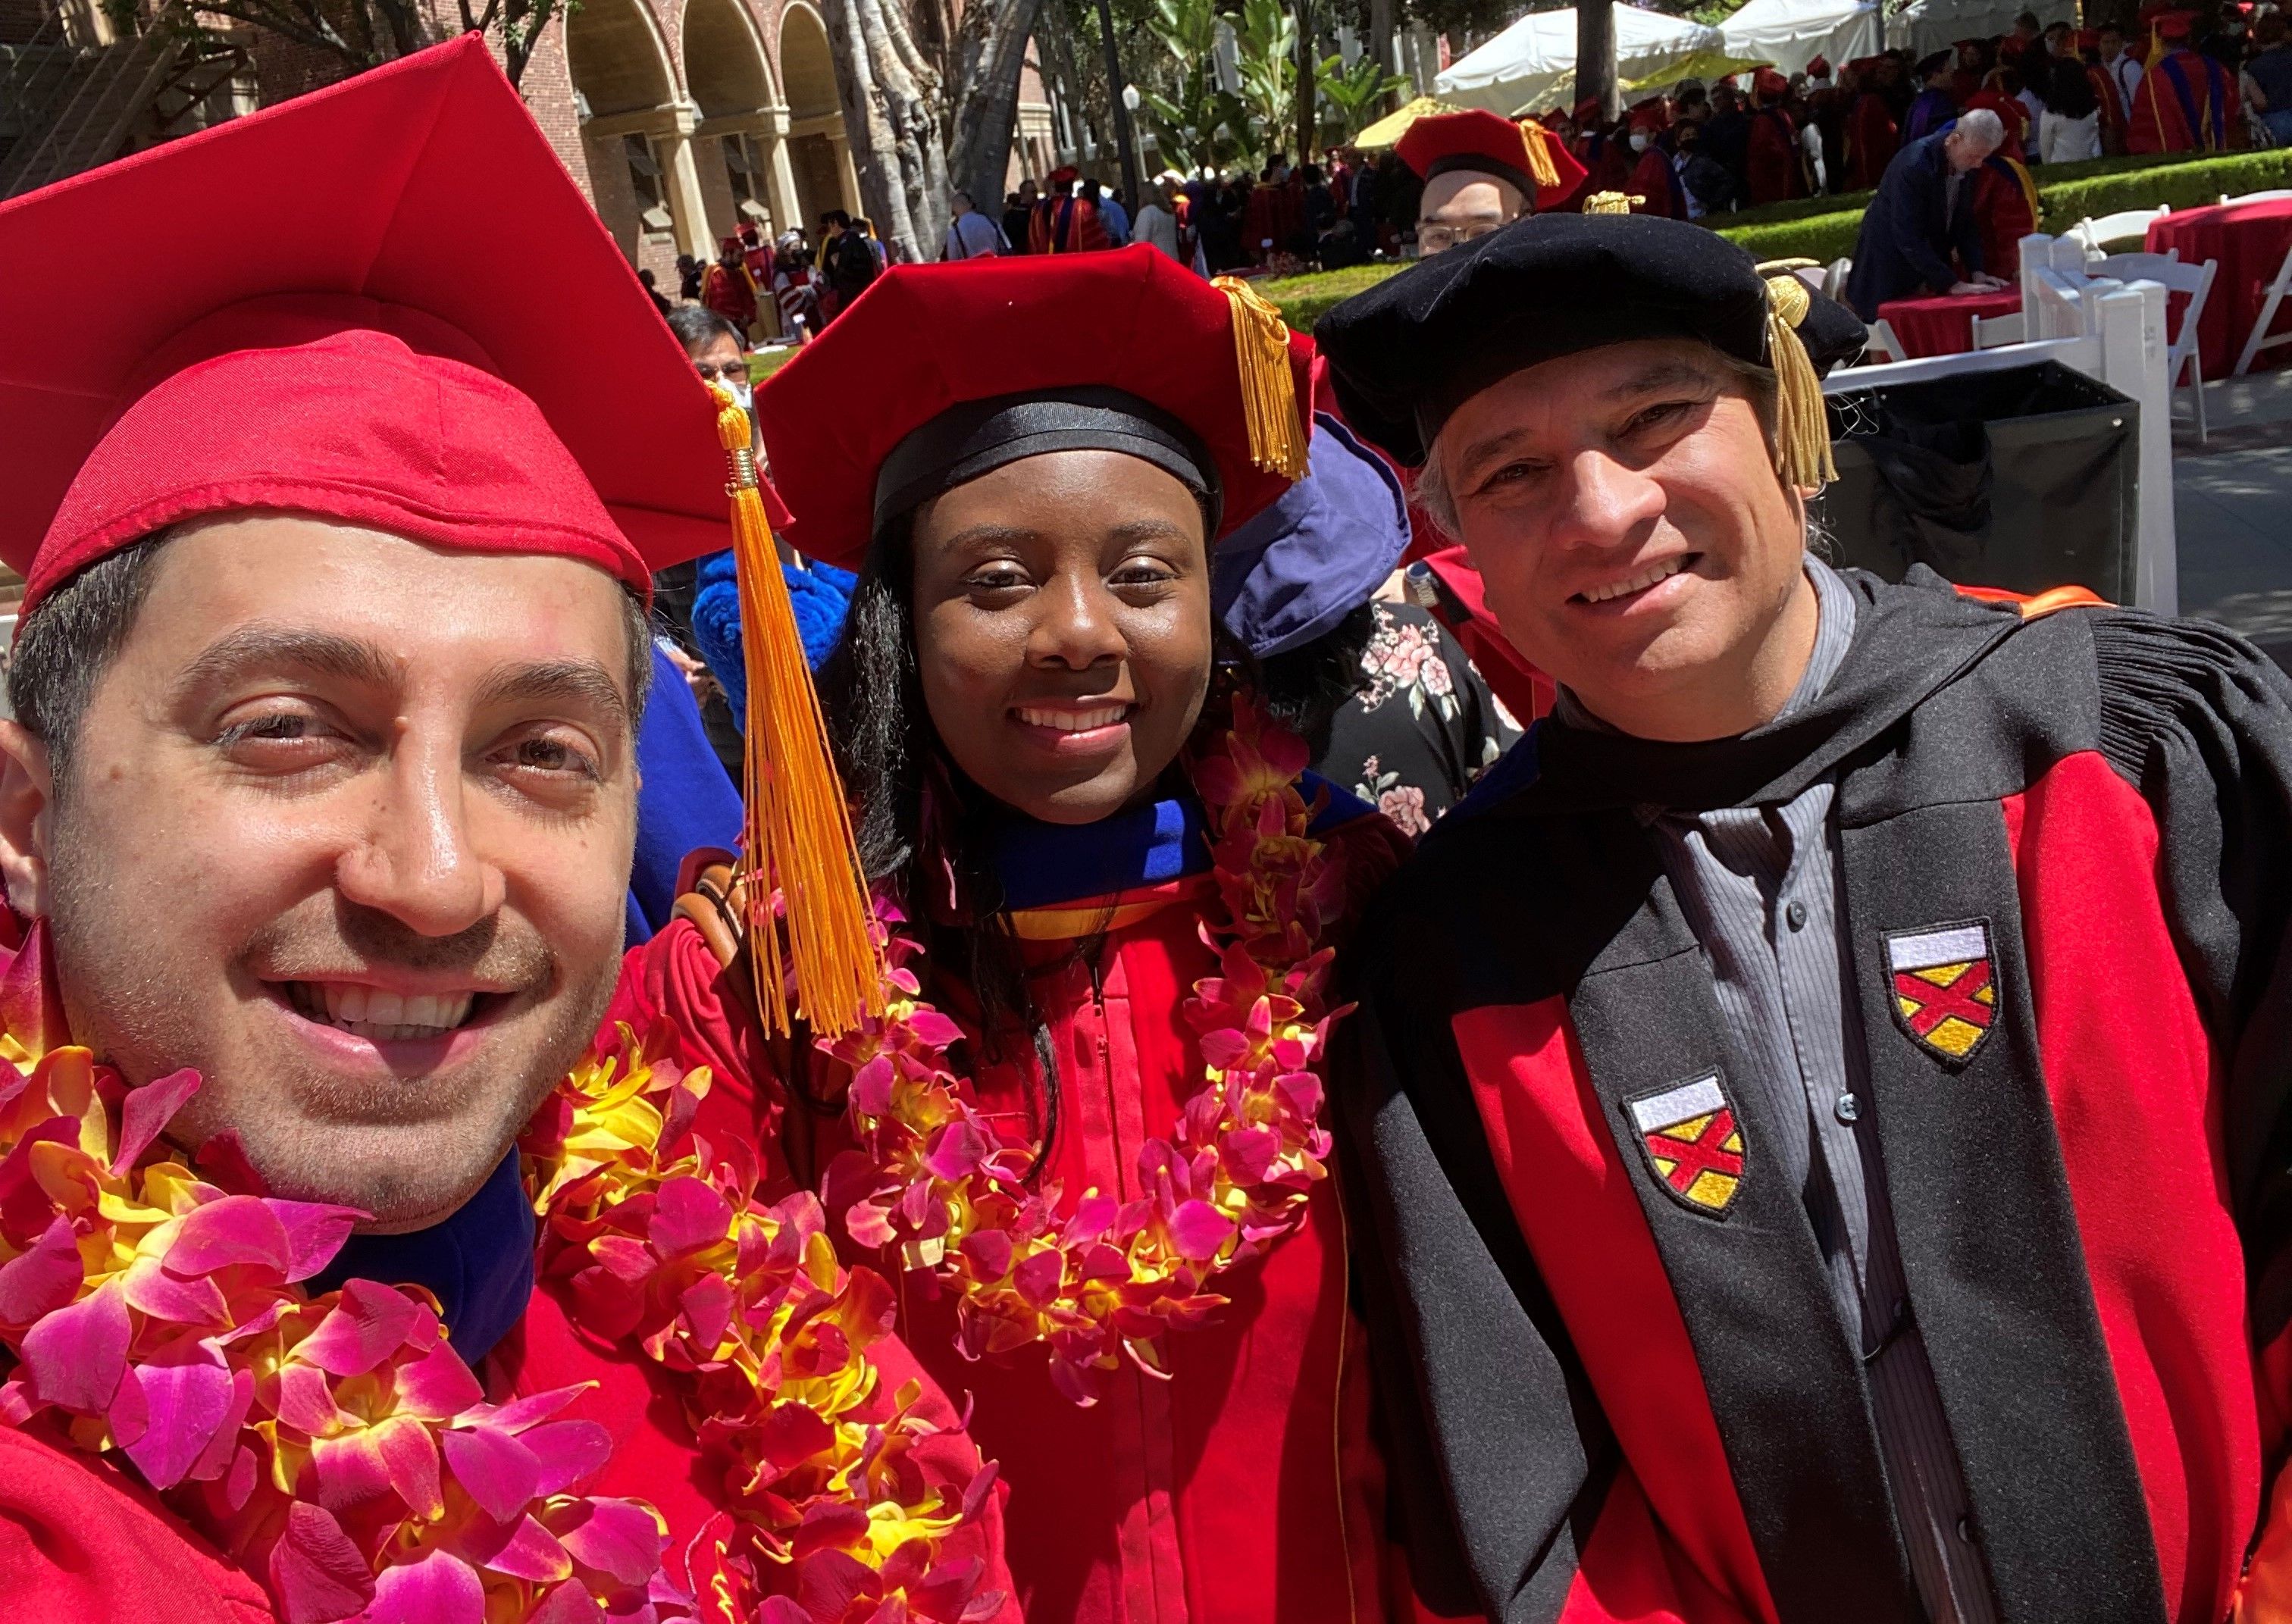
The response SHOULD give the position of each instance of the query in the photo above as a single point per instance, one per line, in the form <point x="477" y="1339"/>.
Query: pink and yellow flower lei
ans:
<point x="340" y="1451"/>
<point x="931" y="1177"/>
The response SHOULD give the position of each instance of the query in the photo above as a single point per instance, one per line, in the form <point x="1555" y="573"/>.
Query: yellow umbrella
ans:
<point x="1704" y="65"/>
<point x="1388" y="130"/>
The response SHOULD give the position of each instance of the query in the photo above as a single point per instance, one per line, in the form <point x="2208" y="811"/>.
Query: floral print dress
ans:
<point x="1423" y="726"/>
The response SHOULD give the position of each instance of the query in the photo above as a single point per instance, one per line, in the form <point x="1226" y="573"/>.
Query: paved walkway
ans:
<point x="2232" y="508"/>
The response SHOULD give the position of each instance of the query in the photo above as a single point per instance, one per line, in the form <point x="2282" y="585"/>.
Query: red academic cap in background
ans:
<point x="1818" y="68"/>
<point x="1528" y="156"/>
<point x="343" y="320"/>
<point x="1767" y="82"/>
<point x="2175" y="26"/>
<point x="925" y="340"/>
<point x="1653" y="115"/>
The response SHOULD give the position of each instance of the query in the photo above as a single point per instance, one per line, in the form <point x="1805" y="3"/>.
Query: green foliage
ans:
<point x="1197" y="124"/>
<point x="1352" y="97"/>
<point x="1265" y="40"/>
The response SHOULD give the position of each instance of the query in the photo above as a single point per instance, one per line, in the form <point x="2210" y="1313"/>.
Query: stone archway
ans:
<point x="741" y="140"/>
<point x="818" y="154"/>
<point x="624" y="92"/>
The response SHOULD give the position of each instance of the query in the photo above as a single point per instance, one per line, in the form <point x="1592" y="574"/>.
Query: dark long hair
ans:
<point x="926" y="833"/>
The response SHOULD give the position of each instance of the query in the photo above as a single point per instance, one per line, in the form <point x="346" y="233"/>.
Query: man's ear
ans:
<point x="27" y="793"/>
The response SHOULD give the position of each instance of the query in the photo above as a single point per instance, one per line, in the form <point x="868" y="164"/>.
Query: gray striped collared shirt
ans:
<point x="1759" y="886"/>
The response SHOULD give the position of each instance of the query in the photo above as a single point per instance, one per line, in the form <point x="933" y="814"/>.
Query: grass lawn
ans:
<point x="764" y="363"/>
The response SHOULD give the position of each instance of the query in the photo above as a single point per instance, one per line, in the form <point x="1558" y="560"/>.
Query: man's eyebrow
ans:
<point x="264" y="647"/>
<point x="1670" y="373"/>
<point x="1481" y="450"/>
<point x="582" y="681"/>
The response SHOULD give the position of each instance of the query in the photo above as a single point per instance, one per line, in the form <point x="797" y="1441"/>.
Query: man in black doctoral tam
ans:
<point x="1820" y="1101"/>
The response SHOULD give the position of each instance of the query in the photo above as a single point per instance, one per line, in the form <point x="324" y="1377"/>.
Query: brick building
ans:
<point x="680" y="118"/>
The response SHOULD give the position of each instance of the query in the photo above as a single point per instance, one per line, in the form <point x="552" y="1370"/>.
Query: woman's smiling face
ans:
<point x="1062" y="629"/>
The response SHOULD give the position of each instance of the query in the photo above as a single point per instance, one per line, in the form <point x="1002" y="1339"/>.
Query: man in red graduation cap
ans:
<point x="1482" y="171"/>
<point x="1655" y="187"/>
<point x="1872" y="136"/>
<point x="2186" y="101"/>
<point x="315" y="825"/>
<point x="1774" y="170"/>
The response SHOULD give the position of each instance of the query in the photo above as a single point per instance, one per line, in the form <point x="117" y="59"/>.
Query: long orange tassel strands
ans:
<point x="799" y="841"/>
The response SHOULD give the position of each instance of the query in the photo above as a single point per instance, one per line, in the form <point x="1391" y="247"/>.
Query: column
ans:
<point x="679" y="175"/>
<point x="847" y="178"/>
<point x="779" y="174"/>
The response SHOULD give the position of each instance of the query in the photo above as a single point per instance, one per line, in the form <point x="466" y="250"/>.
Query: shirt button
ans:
<point x="1848" y="1108"/>
<point x="1796" y="914"/>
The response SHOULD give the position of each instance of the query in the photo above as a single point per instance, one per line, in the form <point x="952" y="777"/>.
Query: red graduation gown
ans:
<point x="1657" y="184"/>
<point x="2186" y="102"/>
<point x="1872" y="140"/>
<point x="1772" y="167"/>
<point x="1244" y="1488"/>
<point x="2005" y="210"/>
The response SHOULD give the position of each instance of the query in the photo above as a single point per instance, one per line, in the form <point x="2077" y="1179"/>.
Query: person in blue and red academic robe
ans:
<point x="319" y="812"/>
<point x="1065" y="222"/>
<point x="1773" y="169"/>
<point x="1872" y="139"/>
<point x="2187" y="101"/>
<point x="1039" y="540"/>
<point x="1935" y="104"/>
<point x="1820" y="1103"/>
<point x="2004" y="196"/>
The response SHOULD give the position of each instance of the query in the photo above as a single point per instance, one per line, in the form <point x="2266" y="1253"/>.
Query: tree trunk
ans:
<point x="1125" y="142"/>
<point x="1596" y="57"/>
<point x="1380" y="42"/>
<point x="1059" y="62"/>
<point x="890" y="117"/>
<point x="1308" y="98"/>
<point x="990" y="49"/>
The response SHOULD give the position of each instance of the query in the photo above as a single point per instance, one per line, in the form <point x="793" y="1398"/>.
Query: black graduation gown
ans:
<point x="1607" y="1400"/>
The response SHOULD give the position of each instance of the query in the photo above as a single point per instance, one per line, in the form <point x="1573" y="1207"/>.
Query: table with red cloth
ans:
<point x="2250" y="241"/>
<point x="1943" y="324"/>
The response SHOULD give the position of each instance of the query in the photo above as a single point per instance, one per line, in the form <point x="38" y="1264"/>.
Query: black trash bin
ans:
<point x="2023" y="479"/>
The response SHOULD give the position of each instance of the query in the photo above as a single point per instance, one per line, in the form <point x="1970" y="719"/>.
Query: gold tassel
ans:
<point x="1278" y="434"/>
<point x="1541" y="169"/>
<point x="1611" y="203"/>
<point x="799" y="840"/>
<point x="1803" y="426"/>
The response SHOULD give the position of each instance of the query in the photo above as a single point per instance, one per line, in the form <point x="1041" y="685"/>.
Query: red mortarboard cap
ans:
<point x="1544" y="170"/>
<point x="2174" y="25"/>
<point x="2012" y="49"/>
<point x="925" y="338"/>
<point x="346" y="326"/>
<point x="1818" y="68"/>
<point x="1651" y="115"/>
<point x="1767" y="82"/>
<point x="1588" y="107"/>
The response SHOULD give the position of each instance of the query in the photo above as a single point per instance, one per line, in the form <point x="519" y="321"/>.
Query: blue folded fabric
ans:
<point x="822" y="598"/>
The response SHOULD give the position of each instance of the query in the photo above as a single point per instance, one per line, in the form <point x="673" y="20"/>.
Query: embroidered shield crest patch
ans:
<point x="1944" y="987"/>
<point x="1693" y="1143"/>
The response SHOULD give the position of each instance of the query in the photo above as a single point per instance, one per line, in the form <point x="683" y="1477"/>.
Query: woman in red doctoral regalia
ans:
<point x="1105" y="1174"/>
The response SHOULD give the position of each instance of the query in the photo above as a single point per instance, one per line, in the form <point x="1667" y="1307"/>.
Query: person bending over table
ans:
<point x="1923" y="218"/>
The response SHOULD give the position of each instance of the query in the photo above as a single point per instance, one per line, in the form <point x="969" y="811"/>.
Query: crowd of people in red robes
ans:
<point x="2169" y="83"/>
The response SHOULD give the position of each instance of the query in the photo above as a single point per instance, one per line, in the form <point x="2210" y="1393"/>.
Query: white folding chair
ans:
<point x="1882" y="337"/>
<point x="1996" y="332"/>
<point x="2260" y="339"/>
<point x="2274" y="194"/>
<point x="1834" y="281"/>
<point x="1812" y="277"/>
<point x="2126" y="225"/>
<point x="2194" y="280"/>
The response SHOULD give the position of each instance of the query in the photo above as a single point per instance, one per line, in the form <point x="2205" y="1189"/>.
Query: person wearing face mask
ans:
<point x="1655" y="186"/>
<point x="1101" y="867"/>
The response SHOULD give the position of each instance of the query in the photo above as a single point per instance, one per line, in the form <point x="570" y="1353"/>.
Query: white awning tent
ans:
<point x="1531" y="65"/>
<point x="1924" y="26"/>
<point x="1792" y="33"/>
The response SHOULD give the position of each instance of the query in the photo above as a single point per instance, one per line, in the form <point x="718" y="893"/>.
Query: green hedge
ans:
<point x="1824" y="229"/>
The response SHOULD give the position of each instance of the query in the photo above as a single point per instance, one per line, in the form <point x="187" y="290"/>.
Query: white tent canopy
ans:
<point x="1529" y="66"/>
<point x="1928" y="26"/>
<point x="1792" y="33"/>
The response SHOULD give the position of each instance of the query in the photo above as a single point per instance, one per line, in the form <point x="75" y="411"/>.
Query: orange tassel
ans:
<point x="1541" y="169"/>
<point x="799" y="841"/>
<point x="1278" y="434"/>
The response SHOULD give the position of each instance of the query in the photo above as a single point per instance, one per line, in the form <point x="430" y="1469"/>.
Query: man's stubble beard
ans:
<point x="407" y="1174"/>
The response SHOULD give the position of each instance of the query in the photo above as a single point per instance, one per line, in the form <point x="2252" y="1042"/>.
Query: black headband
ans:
<point x="1486" y="166"/>
<point x="977" y="436"/>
